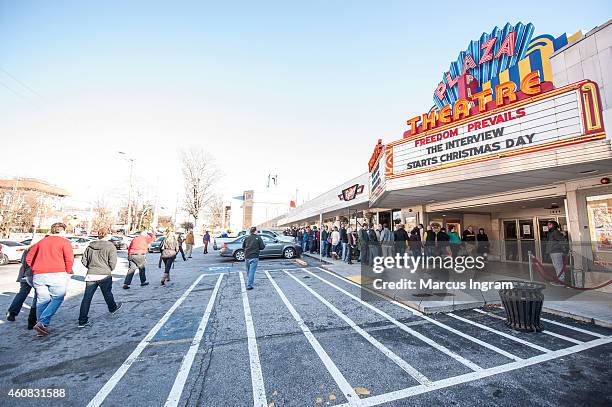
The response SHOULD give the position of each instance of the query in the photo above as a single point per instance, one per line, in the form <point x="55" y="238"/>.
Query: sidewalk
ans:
<point x="588" y="306"/>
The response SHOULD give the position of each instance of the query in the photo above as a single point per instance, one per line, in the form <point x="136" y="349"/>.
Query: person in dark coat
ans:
<point x="415" y="242"/>
<point x="482" y="241"/>
<point x="374" y="245"/>
<point x="363" y="242"/>
<point x="437" y="241"/>
<point x="400" y="237"/>
<point x="25" y="274"/>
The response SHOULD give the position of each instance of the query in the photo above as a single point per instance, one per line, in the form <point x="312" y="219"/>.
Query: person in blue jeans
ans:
<point x="252" y="245"/>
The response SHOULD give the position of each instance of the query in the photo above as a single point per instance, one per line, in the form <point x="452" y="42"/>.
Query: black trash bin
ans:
<point x="523" y="305"/>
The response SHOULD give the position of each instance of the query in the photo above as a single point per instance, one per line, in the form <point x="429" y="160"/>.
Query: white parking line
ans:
<point x="259" y="390"/>
<point x="468" y="377"/>
<point x="556" y="335"/>
<point x="333" y="370"/>
<point x="420" y="314"/>
<point x="505" y="335"/>
<point x="418" y="376"/>
<point x="181" y="376"/>
<point x="112" y="382"/>
<point x="584" y="331"/>
<point x="403" y="327"/>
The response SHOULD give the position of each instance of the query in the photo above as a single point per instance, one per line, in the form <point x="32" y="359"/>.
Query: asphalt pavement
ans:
<point x="303" y="337"/>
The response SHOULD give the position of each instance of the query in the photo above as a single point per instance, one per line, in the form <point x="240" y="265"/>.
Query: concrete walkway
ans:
<point x="588" y="306"/>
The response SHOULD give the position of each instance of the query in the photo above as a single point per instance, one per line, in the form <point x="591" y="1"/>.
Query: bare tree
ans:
<point x="215" y="211"/>
<point x="102" y="215"/>
<point x="200" y="176"/>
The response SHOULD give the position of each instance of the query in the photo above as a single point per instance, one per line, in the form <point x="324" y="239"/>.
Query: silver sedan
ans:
<point x="274" y="248"/>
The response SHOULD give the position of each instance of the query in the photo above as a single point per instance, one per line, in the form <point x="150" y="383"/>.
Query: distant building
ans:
<point x="255" y="207"/>
<point x="26" y="203"/>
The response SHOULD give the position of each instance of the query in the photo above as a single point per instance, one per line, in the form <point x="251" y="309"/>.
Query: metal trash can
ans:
<point x="523" y="305"/>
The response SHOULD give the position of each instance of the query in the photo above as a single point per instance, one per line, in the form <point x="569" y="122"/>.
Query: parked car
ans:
<point x="219" y="241"/>
<point x="274" y="248"/>
<point x="120" y="242"/>
<point x="11" y="251"/>
<point x="155" y="246"/>
<point x="79" y="244"/>
<point x="3" y="257"/>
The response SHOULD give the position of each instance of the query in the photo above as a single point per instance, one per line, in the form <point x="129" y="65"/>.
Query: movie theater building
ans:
<point x="516" y="138"/>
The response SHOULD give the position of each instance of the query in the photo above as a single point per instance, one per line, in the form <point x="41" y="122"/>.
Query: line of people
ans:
<point x="369" y="241"/>
<point x="47" y="267"/>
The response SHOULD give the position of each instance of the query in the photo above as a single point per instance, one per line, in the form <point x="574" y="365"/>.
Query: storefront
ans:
<point x="512" y="142"/>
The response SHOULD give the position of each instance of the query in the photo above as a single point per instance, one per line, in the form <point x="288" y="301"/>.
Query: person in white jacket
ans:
<point x="335" y="237"/>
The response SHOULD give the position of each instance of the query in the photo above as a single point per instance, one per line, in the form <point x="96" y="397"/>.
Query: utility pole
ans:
<point x="129" y="208"/>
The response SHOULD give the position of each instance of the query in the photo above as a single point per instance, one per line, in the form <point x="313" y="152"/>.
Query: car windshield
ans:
<point x="159" y="239"/>
<point x="10" y="243"/>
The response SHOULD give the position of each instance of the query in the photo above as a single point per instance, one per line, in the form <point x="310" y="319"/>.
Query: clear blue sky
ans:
<point x="294" y="87"/>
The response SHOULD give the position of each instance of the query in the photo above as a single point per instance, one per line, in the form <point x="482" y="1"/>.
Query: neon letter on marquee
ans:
<point x="413" y="124"/>
<point x="462" y="109"/>
<point x="488" y="47"/>
<point x="530" y="85"/>
<point x="482" y="98"/>
<point x="505" y="90"/>
<point x="468" y="63"/>
<point x="507" y="47"/>
<point x="429" y="121"/>
<point x="445" y="114"/>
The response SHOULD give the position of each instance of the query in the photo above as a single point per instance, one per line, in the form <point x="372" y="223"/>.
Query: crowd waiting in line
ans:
<point x="370" y="241"/>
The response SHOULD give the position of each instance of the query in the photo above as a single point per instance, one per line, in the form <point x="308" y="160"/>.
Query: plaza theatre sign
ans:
<point x="506" y="115"/>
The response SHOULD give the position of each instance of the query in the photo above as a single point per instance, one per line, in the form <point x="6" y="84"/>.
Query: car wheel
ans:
<point x="239" y="255"/>
<point x="289" y="253"/>
<point x="4" y="260"/>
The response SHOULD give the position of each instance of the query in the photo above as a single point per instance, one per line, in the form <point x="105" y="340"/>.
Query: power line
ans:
<point x="20" y="82"/>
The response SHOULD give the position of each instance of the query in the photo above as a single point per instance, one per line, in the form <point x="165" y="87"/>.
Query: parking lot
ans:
<point x="302" y="337"/>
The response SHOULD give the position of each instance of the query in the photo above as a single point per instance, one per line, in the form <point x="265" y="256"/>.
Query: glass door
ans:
<point x="527" y="239"/>
<point x="511" y="248"/>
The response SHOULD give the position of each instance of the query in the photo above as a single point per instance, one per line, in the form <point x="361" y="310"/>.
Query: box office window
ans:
<point x="599" y="210"/>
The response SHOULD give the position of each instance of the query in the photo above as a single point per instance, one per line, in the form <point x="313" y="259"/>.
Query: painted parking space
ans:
<point x="305" y="336"/>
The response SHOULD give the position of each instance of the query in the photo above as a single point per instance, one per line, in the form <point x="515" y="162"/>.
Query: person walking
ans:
<point x="24" y="278"/>
<point x="206" y="241"/>
<point x="557" y="247"/>
<point x="137" y="258"/>
<point x="253" y="244"/>
<point x="400" y="236"/>
<point x="180" y="240"/>
<point x="363" y="244"/>
<point x="386" y="241"/>
<point x="189" y="242"/>
<point x="169" y="250"/>
<point x="51" y="262"/>
<point x="100" y="259"/>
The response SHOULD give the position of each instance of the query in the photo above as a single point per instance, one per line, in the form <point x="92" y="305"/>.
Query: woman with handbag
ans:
<point x="169" y="250"/>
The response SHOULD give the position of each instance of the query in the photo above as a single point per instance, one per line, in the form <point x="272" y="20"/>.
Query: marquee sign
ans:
<point x="555" y="118"/>
<point x="504" y="54"/>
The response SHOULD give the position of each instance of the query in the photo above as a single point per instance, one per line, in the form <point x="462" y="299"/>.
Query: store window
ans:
<point x="599" y="209"/>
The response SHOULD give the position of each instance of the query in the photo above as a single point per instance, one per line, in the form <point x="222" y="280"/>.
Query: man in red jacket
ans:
<point x="51" y="262"/>
<point x="137" y="257"/>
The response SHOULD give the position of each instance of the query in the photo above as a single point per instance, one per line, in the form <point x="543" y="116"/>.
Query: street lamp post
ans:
<point x="129" y="208"/>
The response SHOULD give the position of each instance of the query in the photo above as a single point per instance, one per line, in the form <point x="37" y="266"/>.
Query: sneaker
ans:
<point x="249" y="288"/>
<point x="10" y="316"/>
<point x="41" y="329"/>
<point x="145" y="283"/>
<point x="85" y="324"/>
<point x="119" y="304"/>
<point x="126" y="287"/>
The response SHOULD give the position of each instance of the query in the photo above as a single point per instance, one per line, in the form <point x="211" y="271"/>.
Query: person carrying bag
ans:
<point x="169" y="250"/>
